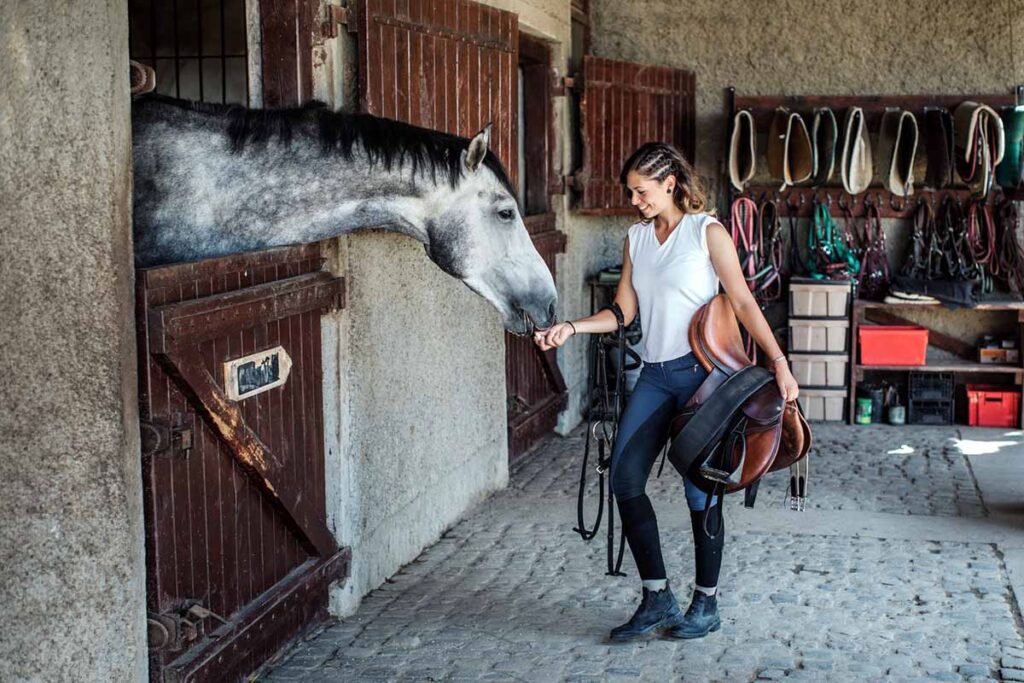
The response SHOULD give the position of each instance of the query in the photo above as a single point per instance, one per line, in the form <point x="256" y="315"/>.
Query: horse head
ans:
<point x="212" y="180"/>
<point x="477" y="235"/>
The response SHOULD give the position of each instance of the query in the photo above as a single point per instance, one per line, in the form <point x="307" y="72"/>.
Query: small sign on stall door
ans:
<point x="256" y="373"/>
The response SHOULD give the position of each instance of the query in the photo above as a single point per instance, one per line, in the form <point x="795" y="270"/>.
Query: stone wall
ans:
<point x="797" y="47"/>
<point x="71" y="534"/>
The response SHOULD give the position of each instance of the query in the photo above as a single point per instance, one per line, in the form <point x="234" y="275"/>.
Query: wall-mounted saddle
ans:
<point x="938" y="146"/>
<point x="742" y="149"/>
<point x="979" y="144"/>
<point x="897" y="149"/>
<point x="855" y="165"/>
<point x="824" y="136"/>
<point x="789" y="148"/>
<point x="1010" y="172"/>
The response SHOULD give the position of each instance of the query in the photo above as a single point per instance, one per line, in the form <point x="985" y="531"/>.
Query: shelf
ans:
<point x="986" y="305"/>
<point x="953" y="365"/>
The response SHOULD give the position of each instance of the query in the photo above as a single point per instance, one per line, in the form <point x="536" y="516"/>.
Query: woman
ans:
<point x="672" y="263"/>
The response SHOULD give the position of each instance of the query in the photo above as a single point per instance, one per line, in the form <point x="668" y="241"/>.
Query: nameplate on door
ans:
<point x="256" y="373"/>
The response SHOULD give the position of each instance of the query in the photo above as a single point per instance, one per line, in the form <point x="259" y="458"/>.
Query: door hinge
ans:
<point x="164" y="439"/>
<point x="563" y="84"/>
<point x="171" y="631"/>
<point x="334" y="16"/>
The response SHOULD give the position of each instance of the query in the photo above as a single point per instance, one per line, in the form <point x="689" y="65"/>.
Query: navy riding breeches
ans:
<point x="659" y="394"/>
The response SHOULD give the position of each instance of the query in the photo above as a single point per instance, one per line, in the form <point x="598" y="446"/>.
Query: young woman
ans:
<point x="672" y="263"/>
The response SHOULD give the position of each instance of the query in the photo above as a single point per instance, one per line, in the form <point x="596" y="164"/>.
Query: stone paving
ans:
<point x="512" y="594"/>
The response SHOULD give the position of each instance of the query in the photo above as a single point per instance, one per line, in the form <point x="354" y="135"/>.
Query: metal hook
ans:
<point x="896" y="206"/>
<point x="843" y="204"/>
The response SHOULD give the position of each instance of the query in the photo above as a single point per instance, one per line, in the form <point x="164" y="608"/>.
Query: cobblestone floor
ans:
<point x="512" y="594"/>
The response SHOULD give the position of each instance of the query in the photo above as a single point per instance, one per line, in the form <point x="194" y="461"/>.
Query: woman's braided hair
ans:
<point x="659" y="160"/>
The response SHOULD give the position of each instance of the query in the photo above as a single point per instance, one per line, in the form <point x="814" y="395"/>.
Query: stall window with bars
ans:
<point x="197" y="47"/>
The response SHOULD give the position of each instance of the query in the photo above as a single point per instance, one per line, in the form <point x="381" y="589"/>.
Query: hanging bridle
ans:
<point x="604" y="407"/>
<point x="873" y="279"/>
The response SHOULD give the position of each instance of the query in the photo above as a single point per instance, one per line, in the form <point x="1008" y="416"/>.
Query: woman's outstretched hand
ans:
<point x="552" y="337"/>
<point x="787" y="383"/>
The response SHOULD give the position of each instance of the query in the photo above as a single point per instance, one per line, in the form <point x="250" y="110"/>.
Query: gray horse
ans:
<point x="212" y="180"/>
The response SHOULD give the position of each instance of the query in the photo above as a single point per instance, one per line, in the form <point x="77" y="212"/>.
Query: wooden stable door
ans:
<point x="238" y="553"/>
<point x="458" y="69"/>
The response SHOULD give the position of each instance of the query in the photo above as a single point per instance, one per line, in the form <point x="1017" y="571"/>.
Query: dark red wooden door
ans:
<point x="452" y="65"/>
<point x="238" y="552"/>
<point x="624" y="105"/>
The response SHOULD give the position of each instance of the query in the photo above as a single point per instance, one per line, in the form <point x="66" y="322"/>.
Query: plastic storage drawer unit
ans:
<point x="992" y="406"/>
<point x="817" y="299"/>
<point x="892" y="344"/>
<point x="818" y="336"/>
<point x="823" y="405"/>
<point x="812" y="370"/>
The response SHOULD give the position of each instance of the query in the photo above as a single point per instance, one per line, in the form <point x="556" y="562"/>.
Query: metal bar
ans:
<point x="199" y="46"/>
<point x="177" y="54"/>
<point x="224" y="61"/>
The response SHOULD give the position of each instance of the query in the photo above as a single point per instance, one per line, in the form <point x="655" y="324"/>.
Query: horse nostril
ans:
<point x="551" y="311"/>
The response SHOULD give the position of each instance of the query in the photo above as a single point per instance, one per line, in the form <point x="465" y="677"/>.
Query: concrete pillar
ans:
<point x="71" y="534"/>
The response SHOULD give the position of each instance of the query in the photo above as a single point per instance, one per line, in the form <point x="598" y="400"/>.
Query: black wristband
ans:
<point x="569" y="323"/>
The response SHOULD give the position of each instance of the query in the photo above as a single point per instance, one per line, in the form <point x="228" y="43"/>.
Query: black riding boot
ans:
<point x="658" y="609"/>
<point x="700" y="619"/>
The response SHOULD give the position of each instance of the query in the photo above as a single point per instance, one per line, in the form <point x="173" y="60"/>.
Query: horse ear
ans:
<point x="478" y="148"/>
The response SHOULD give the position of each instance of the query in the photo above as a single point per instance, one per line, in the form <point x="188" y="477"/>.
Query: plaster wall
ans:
<point x="71" y="533"/>
<point x="414" y="374"/>
<point x="797" y="47"/>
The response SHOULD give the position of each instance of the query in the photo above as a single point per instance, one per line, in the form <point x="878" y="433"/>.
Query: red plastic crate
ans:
<point x="992" y="406"/>
<point x="892" y="344"/>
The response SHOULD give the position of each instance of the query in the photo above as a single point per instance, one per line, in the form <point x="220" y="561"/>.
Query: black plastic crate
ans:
<point x="931" y="386"/>
<point x="930" y="412"/>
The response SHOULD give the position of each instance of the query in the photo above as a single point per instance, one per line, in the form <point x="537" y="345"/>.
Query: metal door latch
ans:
<point x="173" y="630"/>
<point x="162" y="439"/>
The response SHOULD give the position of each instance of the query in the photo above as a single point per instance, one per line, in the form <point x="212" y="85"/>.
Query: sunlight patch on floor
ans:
<point x="975" y="447"/>
<point x="902" y="450"/>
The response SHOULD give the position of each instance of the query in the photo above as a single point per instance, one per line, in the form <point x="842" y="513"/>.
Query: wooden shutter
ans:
<point x="624" y="105"/>
<point x="288" y="31"/>
<point x="449" y="65"/>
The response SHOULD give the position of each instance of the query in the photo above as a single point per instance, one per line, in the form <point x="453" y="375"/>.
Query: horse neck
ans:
<point x="320" y="196"/>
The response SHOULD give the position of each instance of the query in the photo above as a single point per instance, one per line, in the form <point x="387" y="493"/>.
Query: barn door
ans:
<point x="457" y="70"/>
<point x="238" y="552"/>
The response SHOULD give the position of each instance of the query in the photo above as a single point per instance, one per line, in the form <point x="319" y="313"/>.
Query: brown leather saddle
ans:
<point x="736" y="428"/>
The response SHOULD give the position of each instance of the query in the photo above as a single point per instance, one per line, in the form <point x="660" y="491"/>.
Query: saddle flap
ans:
<point x="765" y="406"/>
<point x="795" y="439"/>
<point x="717" y="336"/>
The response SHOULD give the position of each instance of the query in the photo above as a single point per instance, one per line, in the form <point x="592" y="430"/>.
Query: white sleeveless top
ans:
<point x="672" y="280"/>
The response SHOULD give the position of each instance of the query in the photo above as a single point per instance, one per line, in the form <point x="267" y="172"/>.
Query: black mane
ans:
<point x="384" y="141"/>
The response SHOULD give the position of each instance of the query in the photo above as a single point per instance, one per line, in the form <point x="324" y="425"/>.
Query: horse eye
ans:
<point x="506" y="214"/>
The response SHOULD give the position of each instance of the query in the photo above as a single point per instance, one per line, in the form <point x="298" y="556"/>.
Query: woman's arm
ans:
<point x="602" y="321"/>
<point x="730" y="273"/>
